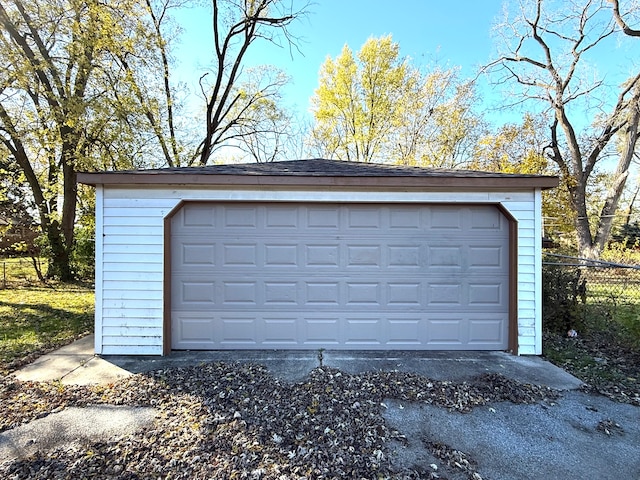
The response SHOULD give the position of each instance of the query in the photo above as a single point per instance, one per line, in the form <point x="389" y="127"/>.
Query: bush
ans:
<point x="83" y="255"/>
<point x="563" y="298"/>
<point x="628" y="236"/>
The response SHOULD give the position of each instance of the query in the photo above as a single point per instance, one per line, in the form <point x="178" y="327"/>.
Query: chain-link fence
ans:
<point x="583" y="293"/>
<point x="600" y="282"/>
<point x="19" y="271"/>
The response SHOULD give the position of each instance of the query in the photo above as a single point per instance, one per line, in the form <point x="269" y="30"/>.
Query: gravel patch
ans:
<point x="227" y="420"/>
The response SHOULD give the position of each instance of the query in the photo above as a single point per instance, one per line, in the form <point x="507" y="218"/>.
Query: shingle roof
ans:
<point x="313" y="170"/>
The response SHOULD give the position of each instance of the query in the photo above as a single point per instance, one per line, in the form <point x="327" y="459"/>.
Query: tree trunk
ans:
<point x="627" y="218"/>
<point x="621" y="174"/>
<point x="586" y="247"/>
<point x="69" y="202"/>
<point x="59" y="259"/>
<point x="61" y="235"/>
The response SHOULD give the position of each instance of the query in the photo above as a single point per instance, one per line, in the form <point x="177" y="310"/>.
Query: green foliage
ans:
<point x="514" y="148"/>
<point x="629" y="317"/>
<point x="518" y="148"/>
<point x="616" y="252"/>
<point x="628" y="236"/>
<point x="375" y="106"/>
<point x="563" y="298"/>
<point x="598" y="302"/>
<point x="83" y="255"/>
<point x="17" y="228"/>
<point x="70" y="100"/>
<point x="34" y="320"/>
<point x="359" y="100"/>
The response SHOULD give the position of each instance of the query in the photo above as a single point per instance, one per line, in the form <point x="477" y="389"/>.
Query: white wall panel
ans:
<point x="135" y="248"/>
<point x="143" y="231"/>
<point x="143" y="316"/>
<point x="112" y="346"/>
<point x="124" y="285"/>
<point x="133" y="331"/>
<point x="121" y="309"/>
<point x="99" y="242"/>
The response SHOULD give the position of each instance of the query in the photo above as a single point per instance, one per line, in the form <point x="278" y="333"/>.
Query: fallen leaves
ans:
<point x="454" y="458"/>
<point x="598" y="359"/>
<point x="609" y="427"/>
<point x="228" y="420"/>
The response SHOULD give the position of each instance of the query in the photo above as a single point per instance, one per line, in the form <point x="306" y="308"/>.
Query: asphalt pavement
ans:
<point x="563" y="439"/>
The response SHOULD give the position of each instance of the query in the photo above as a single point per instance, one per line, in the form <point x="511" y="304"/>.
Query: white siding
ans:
<point x="132" y="273"/>
<point x="538" y="269"/>
<point x="130" y="254"/>
<point x="528" y="306"/>
<point x="99" y="313"/>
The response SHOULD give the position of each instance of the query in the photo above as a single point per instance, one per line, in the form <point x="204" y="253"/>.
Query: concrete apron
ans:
<point x="77" y="364"/>
<point x="294" y="366"/>
<point x="507" y="441"/>
<point x="73" y="364"/>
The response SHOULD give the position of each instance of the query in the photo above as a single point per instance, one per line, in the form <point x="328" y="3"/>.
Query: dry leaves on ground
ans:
<point x="607" y="367"/>
<point x="222" y="420"/>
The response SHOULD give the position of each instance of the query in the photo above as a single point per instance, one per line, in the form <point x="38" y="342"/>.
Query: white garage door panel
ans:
<point x="356" y="331"/>
<point x="326" y="292"/>
<point x="339" y="276"/>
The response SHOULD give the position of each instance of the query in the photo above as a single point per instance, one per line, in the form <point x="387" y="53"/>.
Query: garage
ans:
<point x="317" y="254"/>
<point x="339" y="276"/>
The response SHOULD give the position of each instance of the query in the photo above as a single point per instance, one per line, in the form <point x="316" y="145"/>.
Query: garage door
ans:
<point x="339" y="276"/>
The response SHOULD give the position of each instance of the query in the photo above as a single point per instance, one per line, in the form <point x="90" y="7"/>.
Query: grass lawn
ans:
<point x="36" y="319"/>
<point x="606" y="353"/>
<point x="19" y="271"/>
<point x="620" y="320"/>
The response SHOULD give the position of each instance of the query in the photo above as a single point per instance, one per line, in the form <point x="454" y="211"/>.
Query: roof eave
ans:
<point x="475" y="182"/>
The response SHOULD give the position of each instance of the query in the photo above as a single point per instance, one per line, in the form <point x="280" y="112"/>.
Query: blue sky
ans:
<point x="454" y="33"/>
<point x="446" y="33"/>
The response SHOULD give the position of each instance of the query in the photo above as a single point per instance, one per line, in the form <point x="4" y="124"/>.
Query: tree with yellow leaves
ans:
<point x="376" y="106"/>
<point x="69" y="101"/>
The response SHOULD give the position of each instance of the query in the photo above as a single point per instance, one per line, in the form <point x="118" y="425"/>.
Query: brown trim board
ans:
<point x="479" y="182"/>
<point x="166" y="287"/>
<point x="512" y="341"/>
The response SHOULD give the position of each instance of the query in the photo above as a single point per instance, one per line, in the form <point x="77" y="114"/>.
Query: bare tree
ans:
<point x="619" y="18"/>
<point x="236" y="25"/>
<point x="438" y="125"/>
<point x="268" y="138"/>
<point x="546" y="56"/>
<point x="166" y="136"/>
<point x="264" y="127"/>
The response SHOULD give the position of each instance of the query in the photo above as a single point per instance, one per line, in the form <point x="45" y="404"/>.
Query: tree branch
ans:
<point x="620" y="21"/>
<point x="251" y="17"/>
